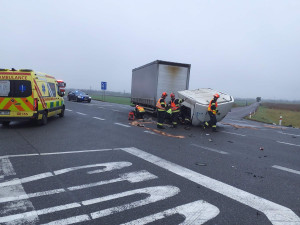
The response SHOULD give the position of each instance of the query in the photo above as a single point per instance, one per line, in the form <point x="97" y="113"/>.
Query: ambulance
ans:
<point x="29" y="95"/>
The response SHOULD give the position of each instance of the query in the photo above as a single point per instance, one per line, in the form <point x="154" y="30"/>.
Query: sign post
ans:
<point x="103" y="88"/>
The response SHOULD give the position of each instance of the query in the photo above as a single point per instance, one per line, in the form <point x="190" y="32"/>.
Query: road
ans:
<point x="95" y="167"/>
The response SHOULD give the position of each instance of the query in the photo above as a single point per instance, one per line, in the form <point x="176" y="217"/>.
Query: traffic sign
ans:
<point x="103" y="85"/>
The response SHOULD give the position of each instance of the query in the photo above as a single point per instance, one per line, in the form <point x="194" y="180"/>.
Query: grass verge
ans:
<point x="113" y="99"/>
<point x="271" y="115"/>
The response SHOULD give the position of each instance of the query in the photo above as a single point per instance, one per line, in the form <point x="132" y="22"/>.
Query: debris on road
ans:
<point x="210" y="140"/>
<point x="261" y="148"/>
<point x="230" y="141"/>
<point x="201" y="164"/>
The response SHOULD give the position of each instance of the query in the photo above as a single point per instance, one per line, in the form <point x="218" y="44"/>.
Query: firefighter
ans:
<point x="161" y="110"/>
<point x="212" y="111"/>
<point x="175" y="107"/>
<point x="139" y="112"/>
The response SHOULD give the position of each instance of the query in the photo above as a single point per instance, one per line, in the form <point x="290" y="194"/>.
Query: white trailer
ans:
<point x="198" y="100"/>
<point x="151" y="80"/>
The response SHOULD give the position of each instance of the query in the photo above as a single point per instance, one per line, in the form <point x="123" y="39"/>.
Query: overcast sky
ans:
<point x="244" y="48"/>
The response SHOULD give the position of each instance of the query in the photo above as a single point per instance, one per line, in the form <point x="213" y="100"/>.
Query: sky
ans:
<point x="245" y="48"/>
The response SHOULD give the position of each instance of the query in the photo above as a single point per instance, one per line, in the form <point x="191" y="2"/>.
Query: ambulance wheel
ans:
<point x="5" y="123"/>
<point x="44" y="119"/>
<point x="62" y="114"/>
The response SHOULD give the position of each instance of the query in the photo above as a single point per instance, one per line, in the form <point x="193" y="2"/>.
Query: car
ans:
<point x="79" y="96"/>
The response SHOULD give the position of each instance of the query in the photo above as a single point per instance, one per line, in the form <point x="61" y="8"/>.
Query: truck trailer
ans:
<point x="151" y="80"/>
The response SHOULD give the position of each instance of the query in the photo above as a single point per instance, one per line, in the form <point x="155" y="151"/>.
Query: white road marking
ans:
<point x="115" y="110"/>
<point x="71" y="220"/>
<point x="74" y="152"/>
<point x="150" y="132"/>
<point x="211" y="149"/>
<point x="287" y="143"/>
<point x="233" y="133"/>
<point x="120" y="124"/>
<point x="21" y="155"/>
<point x="98" y="118"/>
<point x="20" y="206"/>
<point x="155" y="194"/>
<point x="6" y="169"/>
<point x="296" y="135"/>
<point x="133" y="177"/>
<point x="70" y="110"/>
<point x="124" y="107"/>
<point x="81" y="113"/>
<point x="276" y="213"/>
<point x="195" y="213"/>
<point x="100" y="107"/>
<point x="108" y="167"/>
<point x="286" y="169"/>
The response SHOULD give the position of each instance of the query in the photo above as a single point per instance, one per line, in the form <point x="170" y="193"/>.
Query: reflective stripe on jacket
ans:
<point x="212" y="107"/>
<point x="161" y="105"/>
<point x="175" y="105"/>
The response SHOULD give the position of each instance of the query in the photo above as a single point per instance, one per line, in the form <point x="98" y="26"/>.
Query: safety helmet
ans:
<point x="136" y="106"/>
<point x="172" y="95"/>
<point x="164" y="94"/>
<point x="217" y="95"/>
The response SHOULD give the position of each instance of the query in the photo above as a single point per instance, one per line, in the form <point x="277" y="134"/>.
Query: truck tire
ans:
<point x="44" y="119"/>
<point x="62" y="114"/>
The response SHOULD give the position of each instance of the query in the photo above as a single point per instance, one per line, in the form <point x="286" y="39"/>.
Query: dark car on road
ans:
<point x="79" y="96"/>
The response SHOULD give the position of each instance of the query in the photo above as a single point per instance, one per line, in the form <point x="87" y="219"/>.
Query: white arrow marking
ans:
<point x="133" y="177"/>
<point x="195" y="213"/>
<point x="108" y="167"/>
<point x="154" y="194"/>
<point x="276" y="213"/>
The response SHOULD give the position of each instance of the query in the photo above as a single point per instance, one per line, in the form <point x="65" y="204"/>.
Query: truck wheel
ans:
<point x="62" y="114"/>
<point x="44" y="119"/>
<point x="5" y="123"/>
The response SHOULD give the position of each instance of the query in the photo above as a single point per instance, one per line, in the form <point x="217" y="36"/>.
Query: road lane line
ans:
<point x="211" y="149"/>
<point x="21" y="155"/>
<point x="115" y="110"/>
<point x="289" y="134"/>
<point x="74" y="152"/>
<point x="69" y="110"/>
<point x="81" y="113"/>
<point x="287" y="143"/>
<point x="276" y="213"/>
<point x="120" y="124"/>
<point x="6" y="168"/>
<point x="233" y="133"/>
<point x="100" y="107"/>
<point x="286" y="169"/>
<point x="98" y="118"/>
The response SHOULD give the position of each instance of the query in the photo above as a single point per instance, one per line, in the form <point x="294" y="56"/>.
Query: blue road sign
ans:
<point x="103" y="85"/>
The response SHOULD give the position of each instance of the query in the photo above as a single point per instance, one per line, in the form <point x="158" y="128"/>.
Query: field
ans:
<point x="271" y="112"/>
<point x="243" y="102"/>
<point x="113" y="99"/>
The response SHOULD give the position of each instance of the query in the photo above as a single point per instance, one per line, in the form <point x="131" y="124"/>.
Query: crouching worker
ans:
<point x="139" y="112"/>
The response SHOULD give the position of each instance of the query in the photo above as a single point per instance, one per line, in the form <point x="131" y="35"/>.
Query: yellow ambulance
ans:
<point x="26" y="94"/>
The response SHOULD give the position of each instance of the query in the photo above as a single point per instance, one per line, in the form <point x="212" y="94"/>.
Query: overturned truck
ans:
<point x="196" y="103"/>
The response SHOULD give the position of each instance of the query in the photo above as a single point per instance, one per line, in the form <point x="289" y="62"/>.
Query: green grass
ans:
<point x="113" y="99"/>
<point x="270" y="115"/>
<point x="243" y="102"/>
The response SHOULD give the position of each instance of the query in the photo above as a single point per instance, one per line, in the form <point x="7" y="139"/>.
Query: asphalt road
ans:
<point x="95" y="167"/>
